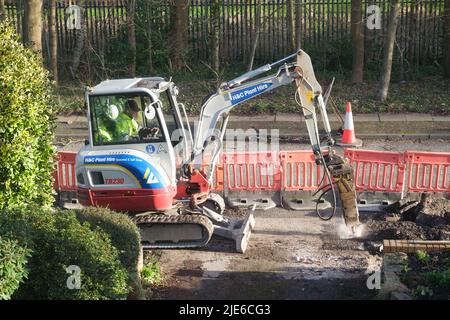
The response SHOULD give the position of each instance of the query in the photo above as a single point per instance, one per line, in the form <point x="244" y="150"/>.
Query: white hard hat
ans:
<point x="112" y="111"/>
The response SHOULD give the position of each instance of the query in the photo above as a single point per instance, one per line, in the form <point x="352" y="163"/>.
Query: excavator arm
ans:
<point x="338" y="170"/>
<point x="309" y="97"/>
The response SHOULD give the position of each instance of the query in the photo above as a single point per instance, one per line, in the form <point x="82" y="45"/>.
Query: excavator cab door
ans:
<point x="177" y="123"/>
<point x="134" y="121"/>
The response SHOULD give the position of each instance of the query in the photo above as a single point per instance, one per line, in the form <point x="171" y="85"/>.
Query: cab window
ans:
<point x="120" y="119"/>
<point x="169" y="115"/>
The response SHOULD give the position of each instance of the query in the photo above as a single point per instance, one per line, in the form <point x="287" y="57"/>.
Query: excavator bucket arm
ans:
<point x="309" y="97"/>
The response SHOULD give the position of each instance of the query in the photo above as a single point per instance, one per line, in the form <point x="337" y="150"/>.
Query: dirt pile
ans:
<point x="427" y="219"/>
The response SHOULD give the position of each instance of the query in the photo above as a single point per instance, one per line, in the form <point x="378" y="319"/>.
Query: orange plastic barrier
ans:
<point x="300" y="171"/>
<point x="64" y="176"/>
<point x="296" y="170"/>
<point x="428" y="171"/>
<point x="377" y="170"/>
<point x="252" y="171"/>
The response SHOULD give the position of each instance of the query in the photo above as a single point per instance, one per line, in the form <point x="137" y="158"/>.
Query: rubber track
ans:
<point x="207" y="228"/>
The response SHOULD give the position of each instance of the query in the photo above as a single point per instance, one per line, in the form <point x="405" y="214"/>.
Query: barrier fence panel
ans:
<point x="428" y="171"/>
<point x="300" y="171"/>
<point x="301" y="177"/>
<point x="377" y="170"/>
<point x="252" y="171"/>
<point x="65" y="172"/>
<point x="217" y="177"/>
<point x="217" y="183"/>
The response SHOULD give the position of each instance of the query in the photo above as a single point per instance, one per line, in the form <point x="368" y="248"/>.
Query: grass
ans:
<point x="151" y="272"/>
<point x="70" y="98"/>
<point x="431" y="95"/>
<point x="424" y="94"/>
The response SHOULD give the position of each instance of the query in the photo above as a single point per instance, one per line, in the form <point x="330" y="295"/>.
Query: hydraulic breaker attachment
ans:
<point x="343" y="178"/>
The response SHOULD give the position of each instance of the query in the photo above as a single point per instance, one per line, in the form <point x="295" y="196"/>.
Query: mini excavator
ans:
<point x="143" y="158"/>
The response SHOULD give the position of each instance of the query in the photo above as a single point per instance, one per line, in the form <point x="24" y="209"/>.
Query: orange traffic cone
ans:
<point x="348" y="136"/>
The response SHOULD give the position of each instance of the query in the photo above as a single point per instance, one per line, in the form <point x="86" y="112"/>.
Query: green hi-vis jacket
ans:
<point x="119" y="130"/>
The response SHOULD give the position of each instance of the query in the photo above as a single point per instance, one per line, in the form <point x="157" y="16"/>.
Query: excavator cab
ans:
<point x="139" y="139"/>
<point x="129" y="163"/>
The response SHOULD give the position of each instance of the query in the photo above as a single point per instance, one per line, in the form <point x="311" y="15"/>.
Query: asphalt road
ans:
<point x="291" y="255"/>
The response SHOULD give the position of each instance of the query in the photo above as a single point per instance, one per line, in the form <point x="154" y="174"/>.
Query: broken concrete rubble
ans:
<point x="427" y="219"/>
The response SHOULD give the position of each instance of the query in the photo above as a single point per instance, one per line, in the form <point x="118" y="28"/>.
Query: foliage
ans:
<point x="58" y="240"/>
<point x="27" y="116"/>
<point x="13" y="259"/>
<point x="122" y="230"/>
<point x="151" y="273"/>
<point x="423" y="291"/>
<point x="422" y="256"/>
<point x="439" y="278"/>
<point x="334" y="56"/>
<point x="152" y="35"/>
<point x="70" y="99"/>
<point x="428" y="275"/>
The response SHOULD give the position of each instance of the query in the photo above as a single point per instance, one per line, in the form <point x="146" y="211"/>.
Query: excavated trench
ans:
<point x="425" y="219"/>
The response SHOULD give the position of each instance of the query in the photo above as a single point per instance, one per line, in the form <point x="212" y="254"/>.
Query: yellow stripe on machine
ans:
<point x="147" y="172"/>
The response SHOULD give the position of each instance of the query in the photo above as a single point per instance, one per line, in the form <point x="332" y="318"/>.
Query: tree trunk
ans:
<point x="257" y="31"/>
<point x="79" y="40"/>
<point x="298" y="24"/>
<point x="32" y="25"/>
<point x="53" y="40"/>
<point x="412" y="31"/>
<point x="178" y="40"/>
<point x="389" y="51"/>
<point x="215" y="35"/>
<point x="357" y="42"/>
<point x="131" y="27"/>
<point x="446" y="44"/>
<point x="369" y="36"/>
<point x="148" y="30"/>
<point x="291" y="24"/>
<point x="2" y="10"/>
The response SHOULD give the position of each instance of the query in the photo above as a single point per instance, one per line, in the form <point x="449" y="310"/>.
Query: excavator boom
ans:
<point x="309" y="97"/>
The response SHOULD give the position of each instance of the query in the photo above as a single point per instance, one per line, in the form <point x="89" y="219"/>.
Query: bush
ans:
<point x="123" y="232"/>
<point x="26" y="125"/>
<point x="58" y="240"/>
<point x="439" y="278"/>
<point x="13" y="259"/>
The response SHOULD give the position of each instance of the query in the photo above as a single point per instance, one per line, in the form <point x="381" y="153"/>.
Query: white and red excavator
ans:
<point x="142" y="156"/>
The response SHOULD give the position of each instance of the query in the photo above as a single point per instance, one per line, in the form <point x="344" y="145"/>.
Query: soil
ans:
<point x="291" y="255"/>
<point x="407" y="230"/>
<point x="427" y="219"/>
<point x="236" y="213"/>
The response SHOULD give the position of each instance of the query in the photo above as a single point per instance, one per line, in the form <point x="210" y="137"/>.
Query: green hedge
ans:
<point x="123" y="232"/>
<point x="58" y="240"/>
<point x="27" y="114"/>
<point x="13" y="259"/>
